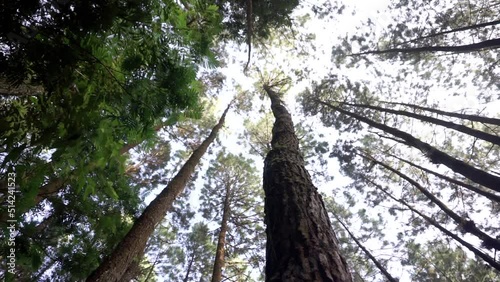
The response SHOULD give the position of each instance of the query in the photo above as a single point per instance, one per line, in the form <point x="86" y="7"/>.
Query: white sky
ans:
<point x="326" y="32"/>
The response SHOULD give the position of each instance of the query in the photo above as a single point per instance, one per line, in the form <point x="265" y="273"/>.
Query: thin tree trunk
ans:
<point x="190" y="265"/>
<point x="467" y="225"/>
<point x="491" y="261"/>
<point x="491" y="196"/>
<point x="249" y="15"/>
<point x="458" y="127"/>
<point x="301" y="244"/>
<point x="113" y="267"/>
<point x="368" y="253"/>
<point x="436" y="156"/>
<point x="452" y="31"/>
<point x="221" y="242"/>
<point x="477" y="118"/>
<point x="487" y="44"/>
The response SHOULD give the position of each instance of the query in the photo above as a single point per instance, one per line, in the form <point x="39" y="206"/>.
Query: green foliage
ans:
<point x="233" y="177"/>
<point x="405" y="75"/>
<point x="266" y="15"/>
<point x="438" y="261"/>
<point x="100" y="77"/>
<point x="188" y="255"/>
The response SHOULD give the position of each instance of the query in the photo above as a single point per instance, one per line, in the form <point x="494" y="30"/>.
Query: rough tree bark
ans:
<point x="114" y="266"/>
<point x="301" y="244"/>
<point x="221" y="242"/>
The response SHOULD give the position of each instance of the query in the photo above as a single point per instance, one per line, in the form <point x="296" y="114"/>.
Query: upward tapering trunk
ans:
<point x="436" y="156"/>
<point x="451" y="125"/>
<point x="301" y="244"/>
<point x="466" y="224"/>
<point x="477" y="118"/>
<point x="221" y="242"/>
<point x="491" y="261"/>
<point x="113" y="267"/>
<point x="190" y="265"/>
<point x="382" y="269"/>
<point x="468" y="48"/>
<point x="483" y="192"/>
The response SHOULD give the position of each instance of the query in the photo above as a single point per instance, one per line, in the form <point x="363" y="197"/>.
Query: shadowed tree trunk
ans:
<point x="466" y="224"/>
<point x="475" y="26"/>
<point x="451" y="125"/>
<point x="114" y="266"/>
<point x="470" y="117"/>
<point x="221" y="242"/>
<point x="487" y="44"/>
<point x="491" y="261"/>
<point x="368" y="253"/>
<point x="189" y="267"/>
<point x="487" y="194"/>
<point x="436" y="156"/>
<point x="301" y="244"/>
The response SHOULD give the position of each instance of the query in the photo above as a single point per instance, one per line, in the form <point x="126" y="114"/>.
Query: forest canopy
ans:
<point x="249" y="140"/>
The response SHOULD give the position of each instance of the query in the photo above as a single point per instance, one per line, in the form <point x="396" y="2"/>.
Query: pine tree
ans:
<point x="301" y="244"/>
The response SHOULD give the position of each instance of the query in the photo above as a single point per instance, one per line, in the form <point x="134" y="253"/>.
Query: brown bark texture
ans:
<point x="301" y="244"/>
<point x="221" y="241"/>
<point x="114" y="266"/>
<point x="487" y="194"/>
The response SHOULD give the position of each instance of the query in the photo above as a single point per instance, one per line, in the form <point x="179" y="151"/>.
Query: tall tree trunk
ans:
<point x="451" y="125"/>
<point x="487" y="44"/>
<point x="190" y="266"/>
<point x="436" y="156"/>
<point x="477" y="118"/>
<point x="368" y="253"/>
<point x="487" y="194"/>
<point x="301" y="244"/>
<point x="249" y="31"/>
<point x="491" y="261"/>
<point x="221" y="242"/>
<point x="475" y="26"/>
<point x="467" y="225"/>
<point x="113" y="267"/>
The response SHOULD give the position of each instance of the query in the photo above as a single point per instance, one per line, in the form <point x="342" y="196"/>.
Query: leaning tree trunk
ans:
<point x="221" y="242"/>
<point x="301" y="244"/>
<point x="448" y="124"/>
<point x="436" y="156"/>
<point x="113" y="267"/>
<point x="190" y="266"/>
